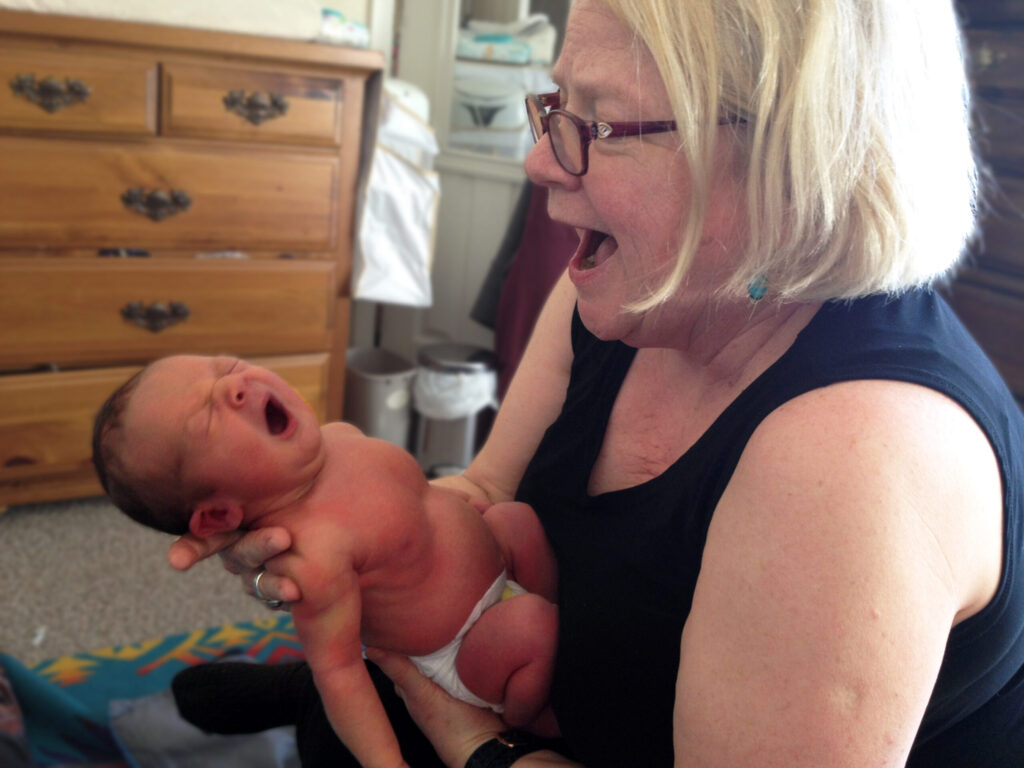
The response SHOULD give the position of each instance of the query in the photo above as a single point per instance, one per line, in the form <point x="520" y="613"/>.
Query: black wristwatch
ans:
<point x="505" y="749"/>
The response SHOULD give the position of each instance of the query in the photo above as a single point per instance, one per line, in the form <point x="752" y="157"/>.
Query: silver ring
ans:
<point x="271" y="604"/>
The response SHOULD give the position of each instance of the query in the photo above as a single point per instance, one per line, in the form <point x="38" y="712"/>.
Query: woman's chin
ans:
<point x="605" y="319"/>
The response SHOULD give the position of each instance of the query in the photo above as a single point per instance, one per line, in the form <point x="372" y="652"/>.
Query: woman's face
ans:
<point x="631" y="205"/>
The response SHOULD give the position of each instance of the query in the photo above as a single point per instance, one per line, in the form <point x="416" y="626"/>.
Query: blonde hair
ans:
<point x="860" y="173"/>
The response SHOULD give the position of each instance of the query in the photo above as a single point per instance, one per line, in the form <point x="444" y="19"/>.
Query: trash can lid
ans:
<point x="455" y="357"/>
<point x="375" y="361"/>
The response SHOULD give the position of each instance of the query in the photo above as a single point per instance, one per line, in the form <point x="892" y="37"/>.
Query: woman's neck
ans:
<point x="728" y="344"/>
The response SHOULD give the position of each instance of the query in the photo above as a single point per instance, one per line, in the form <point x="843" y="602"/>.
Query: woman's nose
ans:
<point x="543" y="168"/>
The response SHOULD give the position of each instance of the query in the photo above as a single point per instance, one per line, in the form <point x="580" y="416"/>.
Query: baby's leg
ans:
<point x="508" y="656"/>
<point x="521" y="537"/>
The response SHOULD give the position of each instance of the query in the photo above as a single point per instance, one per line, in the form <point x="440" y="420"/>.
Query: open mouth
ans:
<point x="276" y="416"/>
<point x="596" y="247"/>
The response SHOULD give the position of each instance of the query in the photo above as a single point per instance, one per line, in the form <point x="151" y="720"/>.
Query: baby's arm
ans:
<point x="327" y="621"/>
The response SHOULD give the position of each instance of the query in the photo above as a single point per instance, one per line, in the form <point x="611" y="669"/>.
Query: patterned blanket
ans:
<point x="65" y="701"/>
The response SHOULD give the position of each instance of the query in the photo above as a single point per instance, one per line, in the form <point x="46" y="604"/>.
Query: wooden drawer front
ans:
<point x="69" y="193"/>
<point x="998" y="132"/>
<point x="996" y="58"/>
<point x="122" y="95"/>
<point x="1002" y="243"/>
<point x="996" y="63"/>
<point x="997" y="321"/>
<point x="250" y="105"/>
<point x="991" y="11"/>
<point x="69" y="312"/>
<point x="46" y="424"/>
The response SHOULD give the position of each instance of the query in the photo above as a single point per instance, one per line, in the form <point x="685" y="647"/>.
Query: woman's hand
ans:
<point x="464" y="489"/>
<point x="455" y="728"/>
<point x="242" y="552"/>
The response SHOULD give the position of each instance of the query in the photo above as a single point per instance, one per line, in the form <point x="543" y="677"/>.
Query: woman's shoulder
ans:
<point x="893" y="456"/>
<point x="896" y="427"/>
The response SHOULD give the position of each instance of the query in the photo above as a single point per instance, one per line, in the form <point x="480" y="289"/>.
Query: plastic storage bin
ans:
<point x="454" y="397"/>
<point x="378" y="386"/>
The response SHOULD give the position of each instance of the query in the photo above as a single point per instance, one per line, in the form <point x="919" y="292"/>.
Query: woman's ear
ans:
<point x="215" y="515"/>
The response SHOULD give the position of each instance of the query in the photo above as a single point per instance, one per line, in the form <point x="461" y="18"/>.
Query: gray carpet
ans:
<point x="80" y="576"/>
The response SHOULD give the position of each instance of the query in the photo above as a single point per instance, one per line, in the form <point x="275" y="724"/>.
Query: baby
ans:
<point x="382" y="557"/>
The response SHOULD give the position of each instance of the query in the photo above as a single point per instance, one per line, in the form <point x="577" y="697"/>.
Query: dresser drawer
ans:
<point x="996" y="63"/>
<point x="995" y="58"/>
<point x="992" y="309"/>
<point x="250" y="105"/>
<point x="73" y="312"/>
<point x="991" y="11"/>
<point x="998" y="131"/>
<point x="46" y="424"/>
<point x="93" y="194"/>
<point x="1002" y="245"/>
<point x="47" y="89"/>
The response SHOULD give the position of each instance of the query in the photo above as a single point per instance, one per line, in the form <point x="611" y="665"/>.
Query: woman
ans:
<point x="788" y="527"/>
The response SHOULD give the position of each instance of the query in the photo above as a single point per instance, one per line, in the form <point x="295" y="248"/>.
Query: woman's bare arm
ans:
<point x="863" y="520"/>
<point x="532" y="402"/>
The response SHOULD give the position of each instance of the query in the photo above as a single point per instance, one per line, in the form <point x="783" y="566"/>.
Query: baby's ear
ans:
<point x="215" y="515"/>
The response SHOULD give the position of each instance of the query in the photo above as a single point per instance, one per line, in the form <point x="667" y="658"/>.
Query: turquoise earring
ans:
<point x="757" y="288"/>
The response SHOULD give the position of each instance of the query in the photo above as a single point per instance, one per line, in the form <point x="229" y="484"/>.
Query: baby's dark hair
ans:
<point x="165" y="509"/>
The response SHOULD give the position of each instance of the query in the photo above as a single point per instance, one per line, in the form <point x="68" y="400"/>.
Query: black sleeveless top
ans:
<point x="628" y="560"/>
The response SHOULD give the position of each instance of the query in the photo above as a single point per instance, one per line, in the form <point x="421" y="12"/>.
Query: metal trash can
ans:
<point x="378" y="386"/>
<point x="454" y="399"/>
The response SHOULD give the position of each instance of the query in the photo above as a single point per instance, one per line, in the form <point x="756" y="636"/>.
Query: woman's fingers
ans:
<point x="189" y="550"/>
<point x="252" y="551"/>
<point x="244" y="553"/>
<point x="270" y="587"/>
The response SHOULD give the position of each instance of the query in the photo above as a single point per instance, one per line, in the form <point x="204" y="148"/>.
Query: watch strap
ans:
<point x="505" y="749"/>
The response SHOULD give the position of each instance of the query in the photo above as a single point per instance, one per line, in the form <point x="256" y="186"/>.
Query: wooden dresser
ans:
<point x="988" y="294"/>
<point x="165" y="190"/>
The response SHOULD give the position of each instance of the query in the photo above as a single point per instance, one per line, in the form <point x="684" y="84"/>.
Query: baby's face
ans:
<point x="221" y="423"/>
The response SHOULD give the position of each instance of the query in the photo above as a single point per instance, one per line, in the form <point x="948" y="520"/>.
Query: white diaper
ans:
<point x="439" y="666"/>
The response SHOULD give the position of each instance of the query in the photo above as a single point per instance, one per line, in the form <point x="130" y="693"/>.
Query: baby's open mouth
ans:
<point x="277" y="417"/>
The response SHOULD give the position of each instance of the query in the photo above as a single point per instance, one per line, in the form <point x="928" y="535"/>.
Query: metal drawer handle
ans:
<point x="256" y="107"/>
<point x="156" y="316"/>
<point x="987" y="57"/>
<point x="50" y="93"/>
<point x="157" y="205"/>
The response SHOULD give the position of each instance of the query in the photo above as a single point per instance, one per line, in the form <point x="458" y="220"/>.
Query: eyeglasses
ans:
<point x="571" y="136"/>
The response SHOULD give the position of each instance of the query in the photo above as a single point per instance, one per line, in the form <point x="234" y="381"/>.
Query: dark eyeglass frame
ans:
<point x="544" y="105"/>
